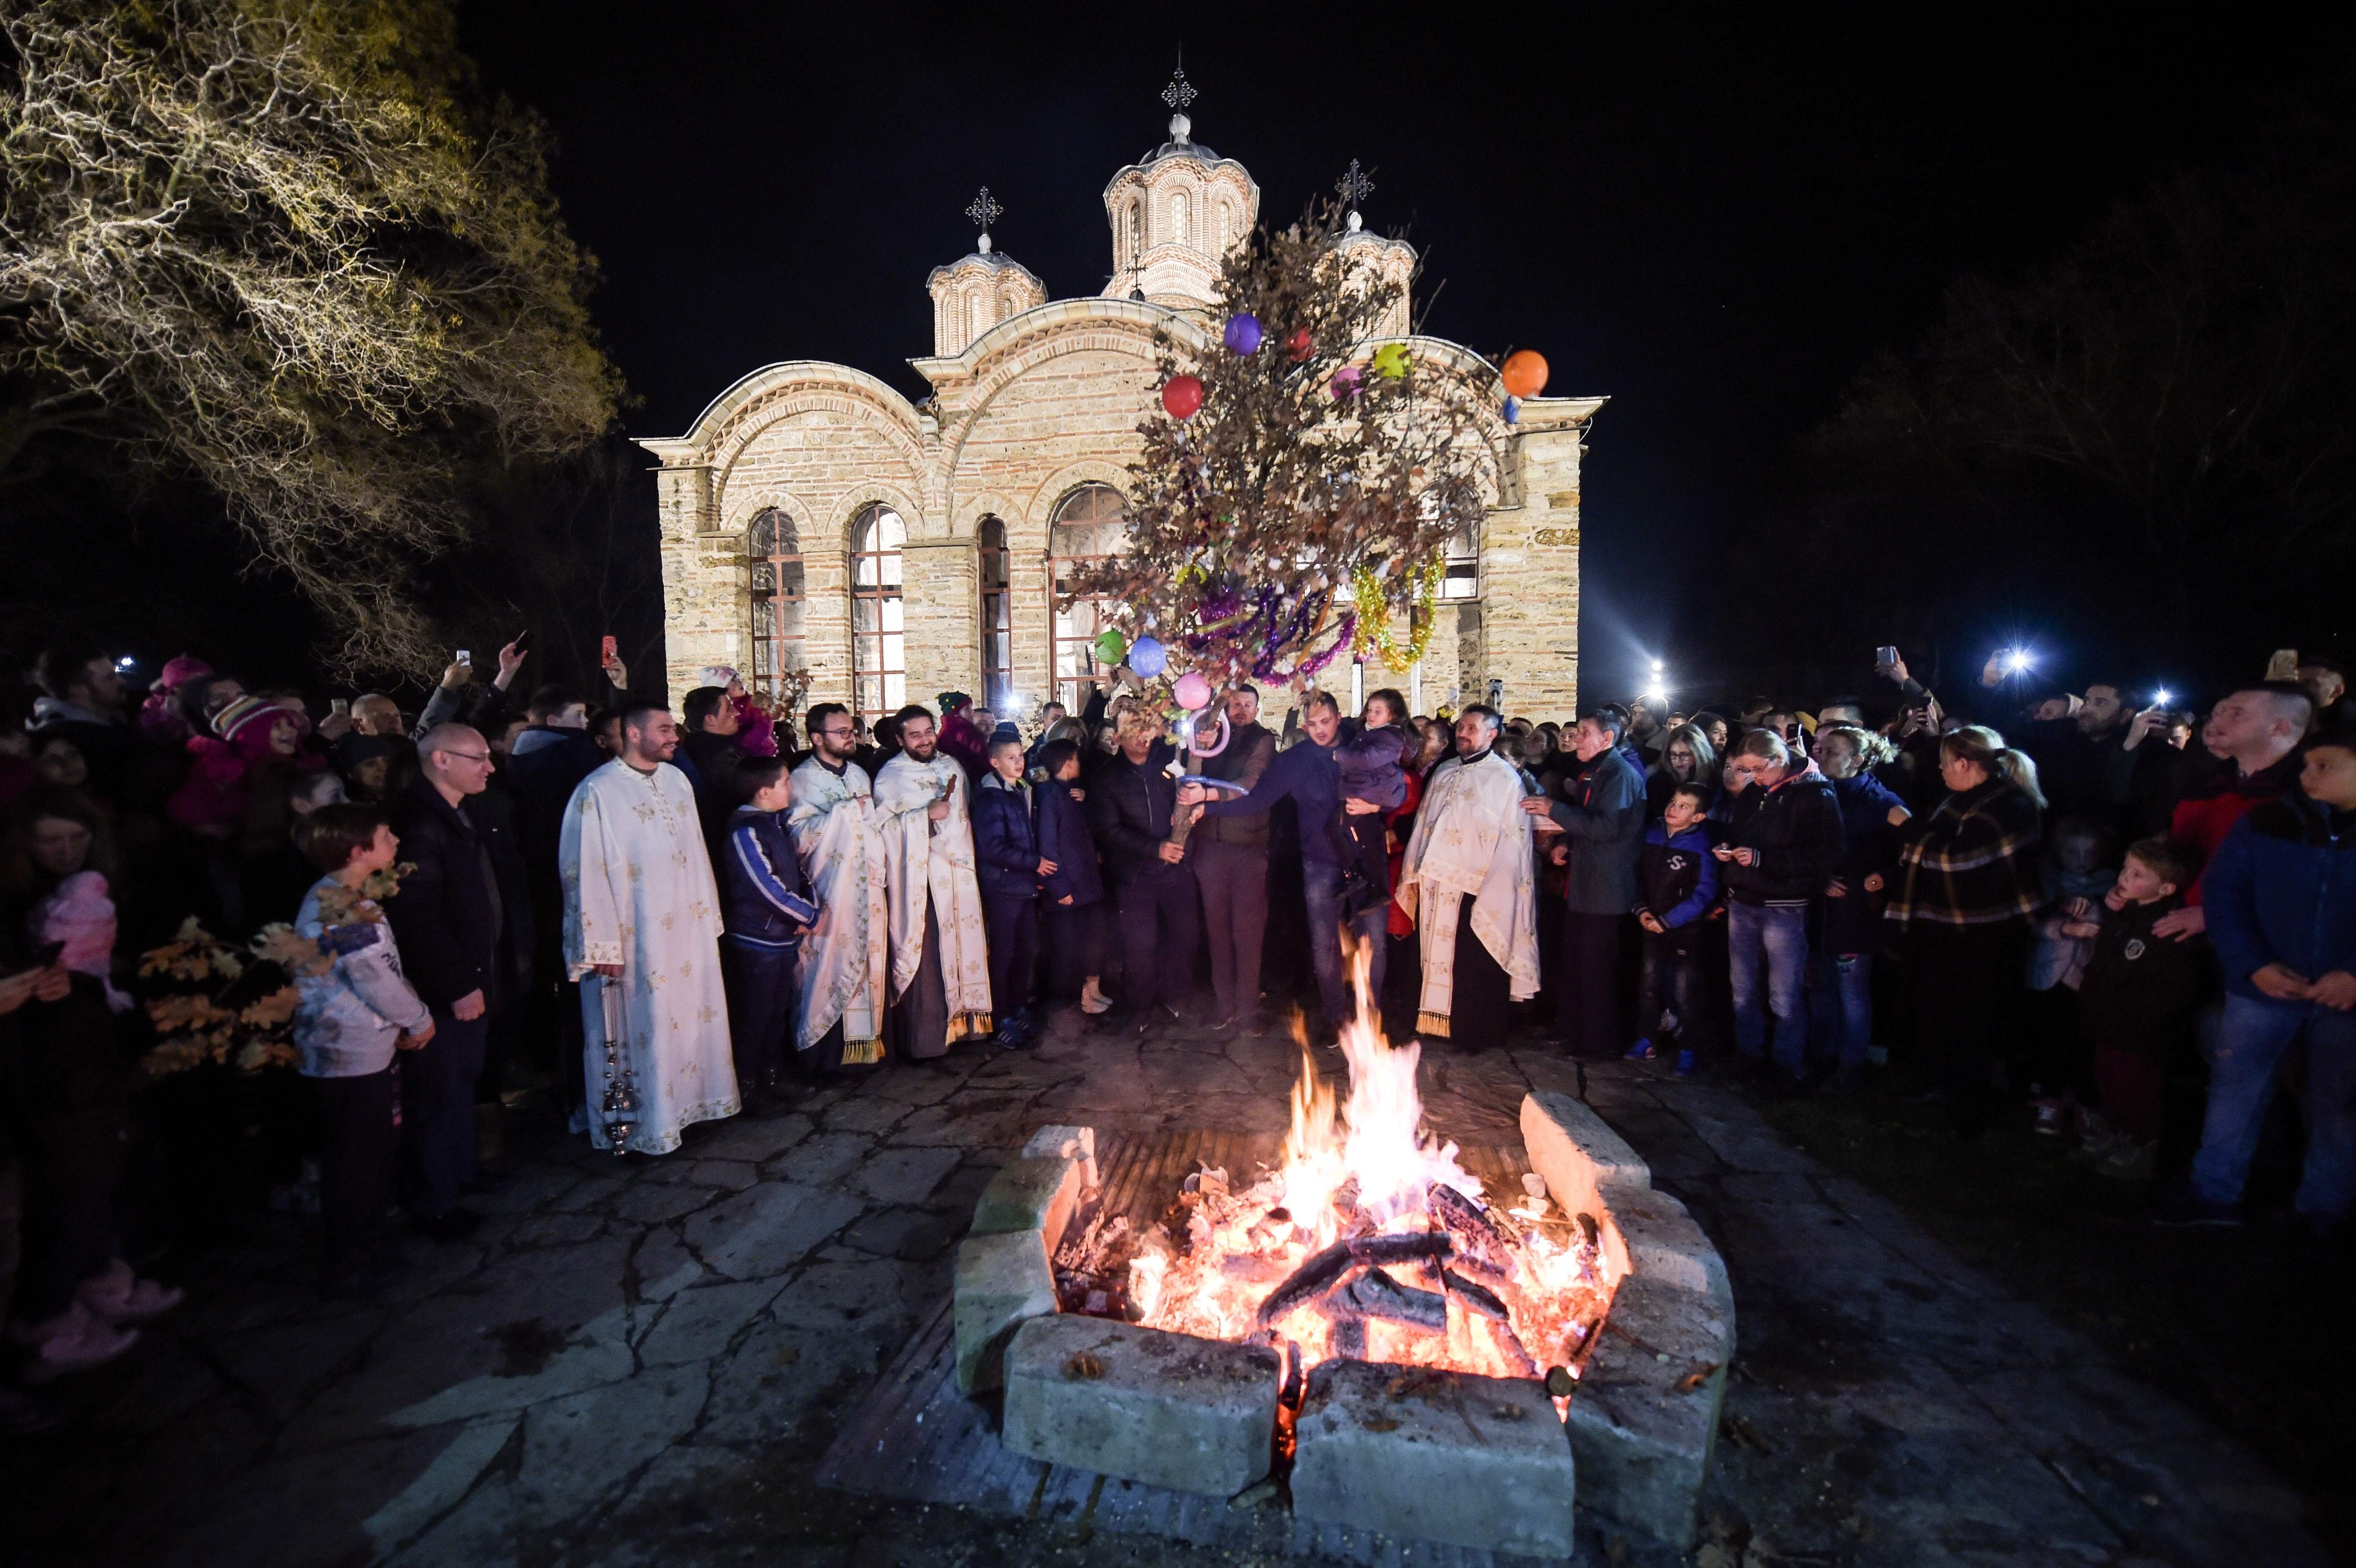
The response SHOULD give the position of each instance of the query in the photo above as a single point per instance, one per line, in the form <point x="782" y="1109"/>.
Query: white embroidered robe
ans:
<point x="638" y="893"/>
<point x="842" y="966"/>
<point x="1471" y="839"/>
<point x="930" y="867"/>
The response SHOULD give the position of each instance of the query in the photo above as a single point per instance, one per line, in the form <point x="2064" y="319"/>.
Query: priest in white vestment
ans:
<point x="842" y="967"/>
<point x="1468" y="876"/>
<point x="642" y="935"/>
<point x="941" y="952"/>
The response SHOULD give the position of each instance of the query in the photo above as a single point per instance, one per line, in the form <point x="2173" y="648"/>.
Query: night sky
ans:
<point x="1711" y="217"/>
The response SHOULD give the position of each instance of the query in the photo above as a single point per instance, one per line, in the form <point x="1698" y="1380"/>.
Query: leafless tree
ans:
<point x="276" y="246"/>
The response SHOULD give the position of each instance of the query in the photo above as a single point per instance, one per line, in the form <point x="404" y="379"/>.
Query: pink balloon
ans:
<point x="1192" y="691"/>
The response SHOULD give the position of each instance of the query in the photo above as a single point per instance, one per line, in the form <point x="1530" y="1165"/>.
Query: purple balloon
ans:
<point x="1345" y="383"/>
<point x="1243" y="333"/>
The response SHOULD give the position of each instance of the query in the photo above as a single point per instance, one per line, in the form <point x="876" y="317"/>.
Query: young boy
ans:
<point x="2136" y="999"/>
<point x="1073" y="898"/>
<point x="353" y="1015"/>
<point x="1676" y="878"/>
<point x="2077" y="874"/>
<point x="767" y="908"/>
<point x="1012" y="868"/>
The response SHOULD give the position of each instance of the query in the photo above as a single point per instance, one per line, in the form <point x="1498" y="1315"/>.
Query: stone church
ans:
<point x="814" y="519"/>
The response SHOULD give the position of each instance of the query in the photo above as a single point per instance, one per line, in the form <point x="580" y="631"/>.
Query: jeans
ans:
<point x="358" y="1136"/>
<point x="2254" y="1036"/>
<point x="437" y="1115"/>
<point x="1769" y="949"/>
<point x="760" y="984"/>
<point x="1322" y="886"/>
<point x="1672" y="983"/>
<point x="1841" y="1007"/>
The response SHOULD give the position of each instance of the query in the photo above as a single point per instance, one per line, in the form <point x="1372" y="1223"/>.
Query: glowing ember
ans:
<point x="1369" y="1241"/>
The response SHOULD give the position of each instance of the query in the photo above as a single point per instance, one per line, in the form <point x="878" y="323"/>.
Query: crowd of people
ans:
<point x="2124" y="924"/>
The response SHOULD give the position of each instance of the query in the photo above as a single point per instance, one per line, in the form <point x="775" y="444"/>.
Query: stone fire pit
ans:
<point x="1416" y="1452"/>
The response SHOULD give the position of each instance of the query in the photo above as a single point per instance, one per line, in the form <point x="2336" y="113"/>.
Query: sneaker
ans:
<point x="74" y="1341"/>
<point x="1687" y="1066"/>
<point x="1642" y="1051"/>
<point x="2183" y="1205"/>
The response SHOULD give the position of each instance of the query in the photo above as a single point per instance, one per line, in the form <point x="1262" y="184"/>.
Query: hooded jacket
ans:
<point x="1793" y="829"/>
<point x="1677" y="877"/>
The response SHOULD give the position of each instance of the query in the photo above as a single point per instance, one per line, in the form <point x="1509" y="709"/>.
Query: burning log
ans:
<point x="1412" y="1246"/>
<point x="1475" y="1241"/>
<point x="1311" y="1280"/>
<point x="1377" y="1294"/>
<point x="1478" y="1298"/>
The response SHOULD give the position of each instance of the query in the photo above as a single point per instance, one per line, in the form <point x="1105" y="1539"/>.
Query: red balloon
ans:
<point x="1524" y="374"/>
<point x="1182" y="397"/>
<point x="1298" y="346"/>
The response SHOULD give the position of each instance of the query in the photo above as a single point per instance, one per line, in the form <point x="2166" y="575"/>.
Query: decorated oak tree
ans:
<point x="1303" y="476"/>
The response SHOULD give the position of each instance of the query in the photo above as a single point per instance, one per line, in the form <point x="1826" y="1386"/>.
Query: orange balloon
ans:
<point x="1525" y="373"/>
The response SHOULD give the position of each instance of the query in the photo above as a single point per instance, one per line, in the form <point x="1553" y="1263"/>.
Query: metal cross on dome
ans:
<point x="1353" y="186"/>
<point x="986" y="212"/>
<point x="1180" y="92"/>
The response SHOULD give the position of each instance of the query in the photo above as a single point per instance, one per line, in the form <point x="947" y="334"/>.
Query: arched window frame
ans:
<point x="994" y="567"/>
<point x="879" y="643"/>
<point x="1462" y="577"/>
<point x="1104" y="511"/>
<point x="1182" y="218"/>
<point x="773" y="548"/>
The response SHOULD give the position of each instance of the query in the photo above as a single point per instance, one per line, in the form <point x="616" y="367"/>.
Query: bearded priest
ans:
<point x="844" y="961"/>
<point x="941" y="956"/>
<point x="1469" y="878"/>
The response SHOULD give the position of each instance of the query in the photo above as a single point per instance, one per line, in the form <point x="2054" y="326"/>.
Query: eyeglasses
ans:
<point x="470" y="756"/>
<point x="835" y="735"/>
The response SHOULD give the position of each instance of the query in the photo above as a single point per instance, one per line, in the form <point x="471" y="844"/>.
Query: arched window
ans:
<point x="774" y="546"/>
<point x="997" y="565"/>
<point x="1180" y="234"/>
<point x="1227" y="226"/>
<point x="879" y="655"/>
<point x="1091" y="524"/>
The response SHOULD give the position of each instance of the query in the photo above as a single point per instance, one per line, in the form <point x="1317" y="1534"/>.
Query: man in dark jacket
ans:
<point x="81" y="701"/>
<point x="550" y="758"/>
<point x="463" y="939"/>
<point x="1230" y="856"/>
<point x="709" y="743"/>
<point x="1783" y="843"/>
<point x="1308" y="774"/>
<point x="2281" y="913"/>
<point x="1129" y="807"/>
<point x="1602" y="814"/>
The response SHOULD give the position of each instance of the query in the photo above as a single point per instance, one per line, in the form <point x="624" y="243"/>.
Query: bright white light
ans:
<point x="2017" y="660"/>
<point x="1657" y="695"/>
<point x="1657" y="667"/>
<point x="124" y="663"/>
<point x="2162" y="698"/>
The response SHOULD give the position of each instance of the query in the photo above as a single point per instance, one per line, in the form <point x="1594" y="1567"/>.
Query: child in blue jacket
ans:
<point x="767" y="908"/>
<point x="2280" y="899"/>
<point x="1010" y="869"/>
<point x="1677" y="882"/>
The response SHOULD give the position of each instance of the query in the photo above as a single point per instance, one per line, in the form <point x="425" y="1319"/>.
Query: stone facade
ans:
<point x="1033" y="401"/>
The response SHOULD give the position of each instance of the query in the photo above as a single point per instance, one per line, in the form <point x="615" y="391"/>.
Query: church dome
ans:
<point x="974" y="293"/>
<point x="1175" y="214"/>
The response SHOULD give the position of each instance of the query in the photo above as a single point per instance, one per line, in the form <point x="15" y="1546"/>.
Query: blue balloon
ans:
<point x="1146" y="657"/>
<point x="1513" y="411"/>
<point x="1243" y="333"/>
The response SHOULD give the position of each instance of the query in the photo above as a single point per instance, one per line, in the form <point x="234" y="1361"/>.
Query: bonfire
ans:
<point x="1366" y="1240"/>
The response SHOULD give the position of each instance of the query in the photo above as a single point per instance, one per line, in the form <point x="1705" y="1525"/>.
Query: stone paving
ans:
<point x="643" y="1362"/>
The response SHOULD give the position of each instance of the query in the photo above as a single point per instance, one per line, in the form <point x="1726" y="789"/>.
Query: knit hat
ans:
<point x="953" y="701"/>
<point x="246" y="723"/>
<point x="181" y="670"/>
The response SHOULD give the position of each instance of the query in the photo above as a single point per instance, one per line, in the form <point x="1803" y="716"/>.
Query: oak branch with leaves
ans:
<point x="1322" y="476"/>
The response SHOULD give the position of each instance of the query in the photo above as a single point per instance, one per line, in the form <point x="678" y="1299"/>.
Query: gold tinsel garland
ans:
<point x="1374" y="619"/>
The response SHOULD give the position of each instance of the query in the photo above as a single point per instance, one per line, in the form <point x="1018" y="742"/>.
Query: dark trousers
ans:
<point x="1968" y="984"/>
<point x="1587" y="1019"/>
<point x="72" y="1174"/>
<point x="437" y="1115"/>
<point x="1160" y="925"/>
<point x="1074" y="940"/>
<point x="1672" y="983"/>
<point x="760" y="982"/>
<point x="1013" y="927"/>
<point x="359" y="1133"/>
<point x="1480" y="1002"/>
<point x="1234" y="879"/>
